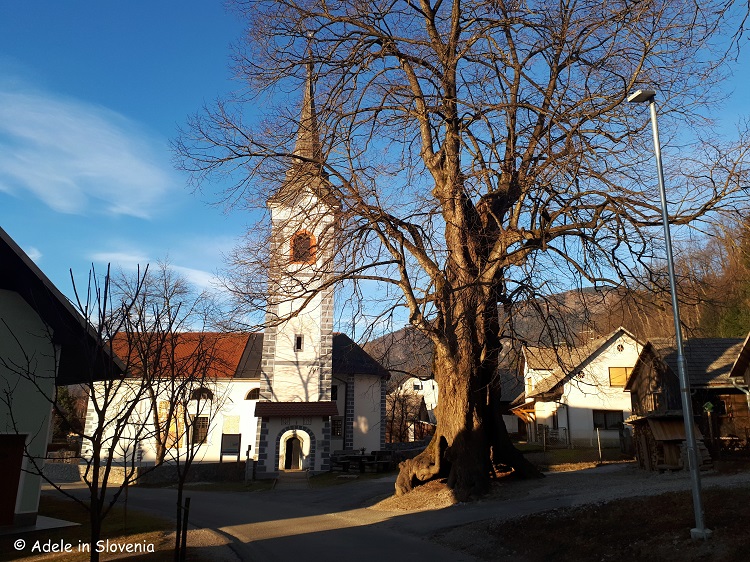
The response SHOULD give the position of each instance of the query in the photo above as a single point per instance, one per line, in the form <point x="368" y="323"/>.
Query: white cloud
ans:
<point x="34" y="254"/>
<point x="124" y="260"/>
<point x="131" y="260"/>
<point x="198" y="278"/>
<point x="77" y="157"/>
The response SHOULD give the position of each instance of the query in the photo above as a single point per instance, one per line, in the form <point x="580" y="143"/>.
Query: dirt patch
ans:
<point x="603" y="519"/>
<point x="636" y="529"/>
<point x="435" y="494"/>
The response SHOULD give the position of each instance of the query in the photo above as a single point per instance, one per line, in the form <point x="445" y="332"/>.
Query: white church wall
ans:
<point x="228" y="412"/>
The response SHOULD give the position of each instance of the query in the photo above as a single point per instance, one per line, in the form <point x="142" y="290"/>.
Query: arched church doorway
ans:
<point x="293" y="454"/>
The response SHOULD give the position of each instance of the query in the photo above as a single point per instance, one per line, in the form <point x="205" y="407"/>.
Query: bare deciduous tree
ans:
<point x="480" y="154"/>
<point x="135" y="399"/>
<point x="178" y="363"/>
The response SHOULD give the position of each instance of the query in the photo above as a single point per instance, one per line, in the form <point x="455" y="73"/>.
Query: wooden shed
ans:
<point x="718" y="405"/>
<point x="660" y="442"/>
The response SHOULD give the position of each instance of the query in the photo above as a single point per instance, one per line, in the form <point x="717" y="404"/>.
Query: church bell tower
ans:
<point x="295" y="404"/>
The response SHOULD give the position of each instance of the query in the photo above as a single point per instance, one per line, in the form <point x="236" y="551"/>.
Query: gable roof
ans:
<point x="564" y="362"/>
<point x="743" y="360"/>
<point x="212" y="355"/>
<point x="235" y="355"/>
<point x="350" y="359"/>
<point x="82" y="357"/>
<point x="709" y="360"/>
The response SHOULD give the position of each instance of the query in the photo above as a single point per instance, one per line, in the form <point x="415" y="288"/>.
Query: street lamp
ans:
<point x="700" y="531"/>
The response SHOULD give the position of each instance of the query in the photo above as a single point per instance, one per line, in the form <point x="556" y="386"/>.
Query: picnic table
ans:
<point x="378" y="461"/>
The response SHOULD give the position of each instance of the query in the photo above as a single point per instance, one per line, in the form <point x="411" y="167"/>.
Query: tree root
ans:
<point x="413" y="472"/>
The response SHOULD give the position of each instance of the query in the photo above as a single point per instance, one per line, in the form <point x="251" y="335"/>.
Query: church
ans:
<point x="298" y="415"/>
<point x="292" y="395"/>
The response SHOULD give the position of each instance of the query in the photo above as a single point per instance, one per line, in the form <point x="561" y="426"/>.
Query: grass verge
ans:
<point x="133" y="527"/>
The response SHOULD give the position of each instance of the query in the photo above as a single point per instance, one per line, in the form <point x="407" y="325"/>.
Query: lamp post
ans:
<point x="700" y="531"/>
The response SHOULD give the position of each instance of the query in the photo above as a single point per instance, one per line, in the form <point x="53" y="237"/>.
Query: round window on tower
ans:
<point x="303" y="247"/>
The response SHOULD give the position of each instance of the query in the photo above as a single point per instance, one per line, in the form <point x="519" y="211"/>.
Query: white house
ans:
<point x="411" y="409"/>
<point x="217" y="397"/>
<point x="43" y="342"/>
<point x="570" y="393"/>
<point x="426" y="388"/>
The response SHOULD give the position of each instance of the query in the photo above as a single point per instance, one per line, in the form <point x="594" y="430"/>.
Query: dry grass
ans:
<point x="636" y="529"/>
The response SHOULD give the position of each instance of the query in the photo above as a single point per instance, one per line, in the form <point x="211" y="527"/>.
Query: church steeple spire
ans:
<point x="308" y="135"/>
<point x="307" y="171"/>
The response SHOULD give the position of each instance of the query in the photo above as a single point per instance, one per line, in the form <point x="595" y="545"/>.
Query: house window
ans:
<point x="608" y="419"/>
<point x="337" y="427"/>
<point x="200" y="429"/>
<point x="171" y="414"/>
<point x="418" y="385"/>
<point x="335" y="392"/>
<point x="254" y="394"/>
<point x="618" y="376"/>
<point x="303" y="247"/>
<point x="299" y="342"/>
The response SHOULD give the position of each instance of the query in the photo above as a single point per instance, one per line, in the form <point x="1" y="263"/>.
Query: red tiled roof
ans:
<point x="200" y="354"/>
<point x="289" y="409"/>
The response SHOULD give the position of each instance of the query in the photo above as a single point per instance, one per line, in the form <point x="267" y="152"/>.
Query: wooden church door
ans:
<point x="293" y="456"/>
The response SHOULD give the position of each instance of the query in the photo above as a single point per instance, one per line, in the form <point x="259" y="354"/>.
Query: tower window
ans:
<point x="303" y="247"/>
<point x="299" y="342"/>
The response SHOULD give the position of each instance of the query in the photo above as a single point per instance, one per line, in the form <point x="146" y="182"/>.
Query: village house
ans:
<point x="410" y="410"/>
<point x="719" y="404"/>
<point x="44" y="342"/>
<point x="576" y="395"/>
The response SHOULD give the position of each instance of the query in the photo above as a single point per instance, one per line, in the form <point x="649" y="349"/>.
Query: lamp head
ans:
<point x="642" y="95"/>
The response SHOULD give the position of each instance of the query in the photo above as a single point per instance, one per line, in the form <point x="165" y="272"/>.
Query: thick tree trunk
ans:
<point x="470" y="439"/>
<point x="467" y="459"/>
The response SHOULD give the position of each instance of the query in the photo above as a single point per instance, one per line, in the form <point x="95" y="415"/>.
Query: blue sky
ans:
<point x="91" y="93"/>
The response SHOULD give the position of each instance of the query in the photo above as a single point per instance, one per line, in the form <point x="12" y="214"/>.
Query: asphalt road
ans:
<point x="317" y="523"/>
<point x="335" y="522"/>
